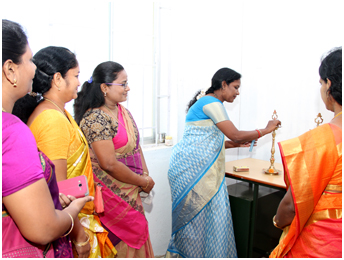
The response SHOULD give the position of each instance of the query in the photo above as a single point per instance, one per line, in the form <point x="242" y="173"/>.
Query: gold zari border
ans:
<point x="332" y="187"/>
<point x="207" y="122"/>
<point x="325" y="214"/>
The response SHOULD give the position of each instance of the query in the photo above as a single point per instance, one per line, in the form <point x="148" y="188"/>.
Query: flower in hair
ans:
<point x="90" y="80"/>
<point x="36" y="95"/>
<point x="202" y="94"/>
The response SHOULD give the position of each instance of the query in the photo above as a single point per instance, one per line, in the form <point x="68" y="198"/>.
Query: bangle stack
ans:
<point x="147" y="184"/>
<point x="274" y="222"/>
<point x="71" y="227"/>
<point x="259" y="133"/>
<point x="80" y="244"/>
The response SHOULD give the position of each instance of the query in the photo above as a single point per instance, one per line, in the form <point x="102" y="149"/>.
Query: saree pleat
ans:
<point x="312" y="162"/>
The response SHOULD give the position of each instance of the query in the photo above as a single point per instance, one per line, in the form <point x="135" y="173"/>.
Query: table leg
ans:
<point x="253" y="218"/>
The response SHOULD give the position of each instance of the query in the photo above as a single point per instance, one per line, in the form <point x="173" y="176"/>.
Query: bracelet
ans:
<point x="71" y="228"/>
<point x="145" y="173"/>
<point x="147" y="184"/>
<point x="82" y="243"/>
<point x="274" y="222"/>
<point x="259" y="135"/>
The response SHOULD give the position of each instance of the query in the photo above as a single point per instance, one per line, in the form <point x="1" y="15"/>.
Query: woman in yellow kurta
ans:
<point x="60" y="138"/>
<point x="310" y="214"/>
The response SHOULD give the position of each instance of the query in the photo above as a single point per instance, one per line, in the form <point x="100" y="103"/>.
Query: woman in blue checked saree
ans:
<point x="201" y="217"/>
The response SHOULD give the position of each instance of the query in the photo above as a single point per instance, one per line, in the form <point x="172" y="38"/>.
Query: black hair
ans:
<point x="331" y="68"/>
<point x="224" y="74"/>
<point x="14" y="41"/>
<point x="49" y="61"/>
<point x="91" y="96"/>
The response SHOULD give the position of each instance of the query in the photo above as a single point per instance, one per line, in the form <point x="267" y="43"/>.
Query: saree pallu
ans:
<point x="80" y="164"/>
<point x="123" y="210"/>
<point x="312" y="164"/>
<point x="201" y="217"/>
<point x="60" y="248"/>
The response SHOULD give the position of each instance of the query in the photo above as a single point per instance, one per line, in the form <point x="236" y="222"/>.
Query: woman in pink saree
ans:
<point x="117" y="159"/>
<point x="34" y="225"/>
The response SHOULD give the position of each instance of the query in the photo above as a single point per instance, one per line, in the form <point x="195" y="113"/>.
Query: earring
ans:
<point x="58" y="88"/>
<point x="104" y="94"/>
<point x="15" y="83"/>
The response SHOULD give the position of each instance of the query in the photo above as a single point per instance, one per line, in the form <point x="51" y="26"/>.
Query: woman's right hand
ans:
<point x="272" y="125"/>
<point x="150" y="185"/>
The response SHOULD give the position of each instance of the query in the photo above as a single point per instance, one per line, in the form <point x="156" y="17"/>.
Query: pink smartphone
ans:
<point x="76" y="186"/>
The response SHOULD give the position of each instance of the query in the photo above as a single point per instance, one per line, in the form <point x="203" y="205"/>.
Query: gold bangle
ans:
<point x="147" y="184"/>
<point x="274" y="222"/>
<point x="261" y="134"/>
<point x="80" y="244"/>
<point x="146" y="173"/>
<point x="71" y="228"/>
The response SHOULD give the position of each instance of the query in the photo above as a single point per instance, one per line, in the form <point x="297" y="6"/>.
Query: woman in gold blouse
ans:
<point x="117" y="159"/>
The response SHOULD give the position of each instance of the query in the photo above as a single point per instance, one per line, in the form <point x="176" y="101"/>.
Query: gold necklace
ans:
<point x="337" y="115"/>
<point x="3" y="110"/>
<point x="114" y="116"/>
<point x="52" y="102"/>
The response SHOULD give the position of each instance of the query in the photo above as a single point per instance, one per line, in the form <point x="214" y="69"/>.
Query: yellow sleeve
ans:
<point x="52" y="131"/>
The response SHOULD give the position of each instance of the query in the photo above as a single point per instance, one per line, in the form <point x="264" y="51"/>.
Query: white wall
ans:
<point x="159" y="213"/>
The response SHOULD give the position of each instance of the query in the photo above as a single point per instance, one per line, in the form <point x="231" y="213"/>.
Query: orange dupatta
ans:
<point x="310" y="162"/>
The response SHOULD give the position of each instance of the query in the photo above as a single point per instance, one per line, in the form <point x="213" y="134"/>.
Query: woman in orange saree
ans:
<point x="310" y="214"/>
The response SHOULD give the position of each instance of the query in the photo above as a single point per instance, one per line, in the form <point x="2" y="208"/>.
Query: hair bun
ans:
<point x="41" y="82"/>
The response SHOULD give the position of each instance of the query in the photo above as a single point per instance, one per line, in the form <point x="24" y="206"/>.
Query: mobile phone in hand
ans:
<point x="76" y="186"/>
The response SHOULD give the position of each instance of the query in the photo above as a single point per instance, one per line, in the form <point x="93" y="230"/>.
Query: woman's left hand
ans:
<point x="64" y="200"/>
<point x="248" y="144"/>
<point x="83" y="251"/>
<point x="231" y="144"/>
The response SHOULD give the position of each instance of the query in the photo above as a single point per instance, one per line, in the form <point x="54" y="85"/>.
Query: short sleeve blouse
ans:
<point x="21" y="165"/>
<point x="207" y="107"/>
<point x="55" y="135"/>
<point x="97" y="125"/>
